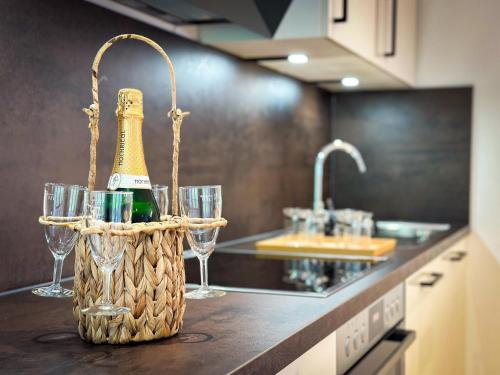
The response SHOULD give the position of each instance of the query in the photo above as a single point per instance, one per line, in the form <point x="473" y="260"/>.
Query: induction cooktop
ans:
<point x="238" y="266"/>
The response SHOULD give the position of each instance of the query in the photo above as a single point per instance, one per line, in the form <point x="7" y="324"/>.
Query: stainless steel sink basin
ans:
<point x="408" y="229"/>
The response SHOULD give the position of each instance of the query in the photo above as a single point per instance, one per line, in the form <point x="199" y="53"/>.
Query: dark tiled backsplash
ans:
<point x="417" y="149"/>
<point x="251" y="130"/>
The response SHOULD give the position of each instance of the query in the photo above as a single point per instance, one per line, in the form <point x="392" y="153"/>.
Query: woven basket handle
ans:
<point x="175" y="113"/>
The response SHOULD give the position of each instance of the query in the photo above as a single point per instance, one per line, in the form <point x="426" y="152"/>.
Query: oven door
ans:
<point x="387" y="357"/>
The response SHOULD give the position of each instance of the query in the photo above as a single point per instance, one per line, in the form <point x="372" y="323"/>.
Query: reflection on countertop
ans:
<point x="240" y="266"/>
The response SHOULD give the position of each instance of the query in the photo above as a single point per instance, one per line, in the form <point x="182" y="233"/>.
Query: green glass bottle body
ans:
<point x="144" y="209"/>
<point x="129" y="168"/>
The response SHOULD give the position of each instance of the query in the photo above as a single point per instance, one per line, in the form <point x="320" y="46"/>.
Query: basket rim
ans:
<point x="172" y="222"/>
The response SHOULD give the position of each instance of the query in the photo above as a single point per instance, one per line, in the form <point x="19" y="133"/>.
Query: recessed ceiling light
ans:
<point x="350" y="81"/>
<point x="298" y="58"/>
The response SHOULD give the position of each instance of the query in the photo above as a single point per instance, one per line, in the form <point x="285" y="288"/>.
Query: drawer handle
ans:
<point x="436" y="276"/>
<point x="394" y="21"/>
<point x="457" y="256"/>
<point x="342" y="18"/>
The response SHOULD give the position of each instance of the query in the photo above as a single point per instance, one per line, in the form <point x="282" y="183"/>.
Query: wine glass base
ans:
<point x="105" y="310"/>
<point x="51" y="291"/>
<point x="203" y="293"/>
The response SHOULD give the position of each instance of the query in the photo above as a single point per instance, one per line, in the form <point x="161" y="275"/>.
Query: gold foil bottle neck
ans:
<point x="129" y="157"/>
<point x="129" y="103"/>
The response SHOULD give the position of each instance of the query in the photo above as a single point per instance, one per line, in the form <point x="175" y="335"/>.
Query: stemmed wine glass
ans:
<point x="108" y="211"/>
<point x="160" y="192"/>
<point x="62" y="204"/>
<point x="202" y="202"/>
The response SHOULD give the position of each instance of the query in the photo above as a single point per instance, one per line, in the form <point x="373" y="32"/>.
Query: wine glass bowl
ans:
<point x="109" y="214"/>
<point x="107" y="249"/>
<point x="62" y="204"/>
<point x="60" y="238"/>
<point x="202" y="204"/>
<point x="160" y="192"/>
<point x="202" y="241"/>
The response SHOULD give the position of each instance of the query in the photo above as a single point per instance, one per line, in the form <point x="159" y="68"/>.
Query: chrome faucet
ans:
<point x="319" y="166"/>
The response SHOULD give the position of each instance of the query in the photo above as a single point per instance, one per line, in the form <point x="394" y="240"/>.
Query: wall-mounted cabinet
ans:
<point x="373" y="40"/>
<point x="381" y="31"/>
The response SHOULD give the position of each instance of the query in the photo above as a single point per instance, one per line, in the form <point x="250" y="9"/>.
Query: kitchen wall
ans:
<point x="460" y="47"/>
<point x="251" y="130"/>
<point x="416" y="145"/>
<point x="482" y="310"/>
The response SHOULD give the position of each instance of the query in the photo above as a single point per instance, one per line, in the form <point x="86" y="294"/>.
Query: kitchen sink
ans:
<point x="408" y="229"/>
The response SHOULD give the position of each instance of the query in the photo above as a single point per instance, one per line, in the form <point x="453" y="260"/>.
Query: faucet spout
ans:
<point x="336" y="145"/>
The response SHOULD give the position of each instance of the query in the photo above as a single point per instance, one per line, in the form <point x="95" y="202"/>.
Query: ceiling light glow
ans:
<point x="350" y="82"/>
<point x="298" y="58"/>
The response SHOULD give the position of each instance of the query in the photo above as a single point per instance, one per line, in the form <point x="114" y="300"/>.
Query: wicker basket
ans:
<point x="150" y="279"/>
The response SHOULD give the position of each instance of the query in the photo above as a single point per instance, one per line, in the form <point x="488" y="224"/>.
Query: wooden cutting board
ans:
<point x="301" y="243"/>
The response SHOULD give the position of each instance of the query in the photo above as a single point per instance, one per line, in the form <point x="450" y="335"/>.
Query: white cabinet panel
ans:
<point x="371" y="33"/>
<point x="357" y="33"/>
<point x="437" y="314"/>
<point x="402" y="64"/>
<point x="319" y="360"/>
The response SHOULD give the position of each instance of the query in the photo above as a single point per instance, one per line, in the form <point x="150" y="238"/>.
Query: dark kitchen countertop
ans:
<point x="241" y="332"/>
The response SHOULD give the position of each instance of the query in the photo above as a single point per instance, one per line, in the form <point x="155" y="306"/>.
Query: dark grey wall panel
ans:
<point x="251" y="130"/>
<point x="416" y="145"/>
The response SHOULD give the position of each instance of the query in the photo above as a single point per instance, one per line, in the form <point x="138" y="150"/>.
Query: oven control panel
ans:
<point x="358" y="335"/>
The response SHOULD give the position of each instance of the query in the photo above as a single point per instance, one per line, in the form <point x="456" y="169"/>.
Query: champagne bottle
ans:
<point x="129" y="169"/>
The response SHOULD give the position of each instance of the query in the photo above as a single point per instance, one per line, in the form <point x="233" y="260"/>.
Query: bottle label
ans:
<point x="127" y="181"/>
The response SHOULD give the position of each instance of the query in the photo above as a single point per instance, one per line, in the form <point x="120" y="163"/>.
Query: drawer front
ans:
<point x="435" y="307"/>
<point x="424" y="283"/>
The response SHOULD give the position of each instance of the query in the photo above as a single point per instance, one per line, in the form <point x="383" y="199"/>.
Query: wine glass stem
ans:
<point x="58" y="266"/>
<point x="204" y="272"/>
<point x="106" y="288"/>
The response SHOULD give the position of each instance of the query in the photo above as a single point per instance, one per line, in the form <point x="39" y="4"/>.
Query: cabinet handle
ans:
<point x="436" y="276"/>
<point x="394" y="21"/>
<point x="457" y="256"/>
<point x="342" y="18"/>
